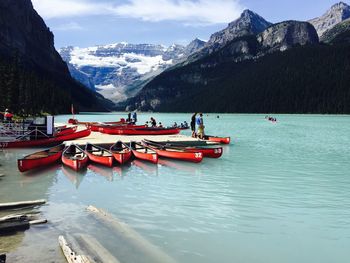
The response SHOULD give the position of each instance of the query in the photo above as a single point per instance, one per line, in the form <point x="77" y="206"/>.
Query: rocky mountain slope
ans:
<point x="32" y="67"/>
<point x="118" y="71"/>
<point x="338" y="33"/>
<point x="171" y="86"/>
<point x="336" y="14"/>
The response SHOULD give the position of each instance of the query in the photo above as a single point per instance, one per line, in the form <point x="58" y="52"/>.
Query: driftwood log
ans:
<point x="140" y="244"/>
<point x="13" y="205"/>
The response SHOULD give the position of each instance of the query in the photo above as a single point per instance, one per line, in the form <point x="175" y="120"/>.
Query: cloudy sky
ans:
<point x="91" y="22"/>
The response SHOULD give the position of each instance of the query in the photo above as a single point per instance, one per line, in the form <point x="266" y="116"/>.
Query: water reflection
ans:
<point x="106" y="172"/>
<point x="149" y="168"/>
<point x="74" y="177"/>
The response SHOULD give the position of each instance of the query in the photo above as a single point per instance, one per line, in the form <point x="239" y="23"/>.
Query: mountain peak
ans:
<point x="336" y="14"/>
<point x="248" y="23"/>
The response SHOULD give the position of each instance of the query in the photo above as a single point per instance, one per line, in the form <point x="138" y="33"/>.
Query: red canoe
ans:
<point x="140" y="131"/>
<point x="99" y="155"/>
<point x="221" y="140"/>
<point x="144" y="153"/>
<point x="66" y="131"/>
<point x="40" y="159"/>
<point x="98" y="127"/>
<point x="178" y="154"/>
<point x="121" y="152"/>
<point x="74" y="157"/>
<point x="46" y="141"/>
<point x="215" y="152"/>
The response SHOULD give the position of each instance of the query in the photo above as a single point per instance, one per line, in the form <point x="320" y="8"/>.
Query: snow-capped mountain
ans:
<point x="338" y="13"/>
<point x="116" y="70"/>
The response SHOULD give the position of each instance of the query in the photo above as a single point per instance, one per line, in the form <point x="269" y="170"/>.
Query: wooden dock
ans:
<point x="98" y="138"/>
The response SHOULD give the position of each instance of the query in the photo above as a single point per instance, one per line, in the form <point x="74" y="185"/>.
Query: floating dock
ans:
<point x="98" y="138"/>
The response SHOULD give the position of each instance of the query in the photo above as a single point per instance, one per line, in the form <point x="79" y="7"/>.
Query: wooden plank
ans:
<point x="17" y="217"/>
<point x="12" y="205"/>
<point x="69" y="254"/>
<point x="155" y="254"/>
<point x="96" y="251"/>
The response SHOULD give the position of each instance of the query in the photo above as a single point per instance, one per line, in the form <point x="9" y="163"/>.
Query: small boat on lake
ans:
<point x="74" y="157"/>
<point x="121" y="152"/>
<point x="23" y="142"/>
<point x="221" y="140"/>
<point x="210" y="152"/>
<point x="143" y="152"/>
<point x="176" y="153"/>
<point x="40" y="159"/>
<point x="65" y="131"/>
<point x="99" y="155"/>
<point x="140" y="131"/>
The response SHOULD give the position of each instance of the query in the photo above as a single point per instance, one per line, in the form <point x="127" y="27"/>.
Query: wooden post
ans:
<point x="69" y="254"/>
<point x="142" y="245"/>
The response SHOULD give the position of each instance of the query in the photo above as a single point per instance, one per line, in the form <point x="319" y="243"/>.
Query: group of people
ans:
<point x="6" y="116"/>
<point x="132" y="117"/>
<point x="183" y="125"/>
<point x="153" y="123"/>
<point x="197" y="125"/>
<point x="269" y="118"/>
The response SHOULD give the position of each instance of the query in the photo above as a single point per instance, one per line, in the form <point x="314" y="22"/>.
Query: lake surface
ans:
<point x="280" y="193"/>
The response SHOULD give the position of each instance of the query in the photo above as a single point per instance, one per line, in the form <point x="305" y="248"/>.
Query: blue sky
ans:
<point x="92" y="22"/>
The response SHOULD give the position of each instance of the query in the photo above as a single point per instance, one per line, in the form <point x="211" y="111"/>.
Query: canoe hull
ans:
<point x="194" y="157"/>
<point x="25" y="165"/>
<point x="103" y="160"/>
<point x="221" y="140"/>
<point x="139" y="131"/>
<point x="75" y="165"/>
<point x="45" y="142"/>
<point x="66" y="131"/>
<point x="122" y="158"/>
<point x="149" y="157"/>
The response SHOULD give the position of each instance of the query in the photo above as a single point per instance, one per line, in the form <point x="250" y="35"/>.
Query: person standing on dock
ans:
<point x="134" y="117"/>
<point x="129" y="117"/>
<point x="200" y="124"/>
<point x="193" y="125"/>
<point x="153" y="122"/>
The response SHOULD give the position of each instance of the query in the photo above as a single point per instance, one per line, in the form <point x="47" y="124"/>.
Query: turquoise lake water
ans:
<point x="280" y="193"/>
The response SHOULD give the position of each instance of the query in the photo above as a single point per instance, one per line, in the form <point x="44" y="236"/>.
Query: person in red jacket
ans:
<point x="8" y="116"/>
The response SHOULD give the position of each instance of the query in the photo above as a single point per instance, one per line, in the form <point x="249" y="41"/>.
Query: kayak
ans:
<point x="176" y="153"/>
<point x="143" y="152"/>
<point x="74" y="157"/>
<point x="121" y="152"/>
<point x="45" y="141"/>
<point x="40" y="159"/>
<point x="140" y="131"/>
<point x="99" y="155"/>
<point x="66" y="131"/>
<point x="221" y="140"/>
<point x="214" y="152"/>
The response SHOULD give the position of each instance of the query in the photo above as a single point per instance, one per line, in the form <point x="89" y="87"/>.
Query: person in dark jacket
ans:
<point x="193" y="125"/>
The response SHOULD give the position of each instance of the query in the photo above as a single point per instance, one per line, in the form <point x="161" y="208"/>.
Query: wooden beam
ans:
<point x="155" y="254"/>
<point x="20" y="204"/>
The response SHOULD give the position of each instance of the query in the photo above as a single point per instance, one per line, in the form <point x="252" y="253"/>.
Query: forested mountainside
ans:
<point x="282" y="69"/>
<point x="33" y="76"/>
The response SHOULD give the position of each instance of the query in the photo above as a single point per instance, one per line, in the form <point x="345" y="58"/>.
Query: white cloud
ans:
<point x="72" y="26"/>
<point x="201" y="11"/>
<point x="68" y="8"/>
<point x="186" y="11"/>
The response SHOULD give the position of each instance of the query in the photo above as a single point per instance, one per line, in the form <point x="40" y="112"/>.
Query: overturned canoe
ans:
<point x="210" y="152"/>
<point x="143" y="152"/>
<point x="40" y="159"/>
<point x="74" y="157"/>
<point x="140" y="131"/>
<point x="121" y="152"/>
<point x="176" y="153"/>
<point x="221" y="140"/>
<point x="99" y="155"/>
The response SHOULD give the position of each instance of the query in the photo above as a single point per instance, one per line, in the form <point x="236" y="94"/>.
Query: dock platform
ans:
<point x="102" y="139"/>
